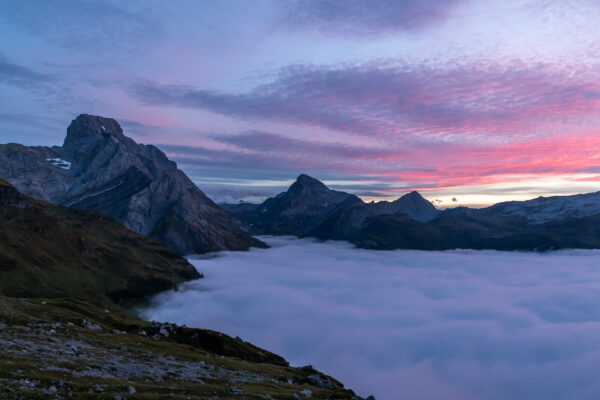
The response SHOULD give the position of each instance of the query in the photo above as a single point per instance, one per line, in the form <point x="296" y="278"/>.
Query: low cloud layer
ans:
<point x="409" y="324"/>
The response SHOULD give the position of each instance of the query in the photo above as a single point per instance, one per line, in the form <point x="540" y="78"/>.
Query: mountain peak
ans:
<point x="307" y="179"/>
<point x="413" y="195"/>
<point x="86" y="127"/>
<point x="304" y="180"/>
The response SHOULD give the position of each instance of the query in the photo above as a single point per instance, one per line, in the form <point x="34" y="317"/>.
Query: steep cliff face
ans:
<point x="99" y="168"/>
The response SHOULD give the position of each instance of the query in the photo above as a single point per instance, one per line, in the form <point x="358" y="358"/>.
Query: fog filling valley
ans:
<point x="409" y="324"/>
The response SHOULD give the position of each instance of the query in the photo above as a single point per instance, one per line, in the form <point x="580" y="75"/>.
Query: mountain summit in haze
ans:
<point x="99" y="168"/>
<point x="310" y="208"/>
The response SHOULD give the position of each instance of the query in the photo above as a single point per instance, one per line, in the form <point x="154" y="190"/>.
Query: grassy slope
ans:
<point x="50" y="251"/>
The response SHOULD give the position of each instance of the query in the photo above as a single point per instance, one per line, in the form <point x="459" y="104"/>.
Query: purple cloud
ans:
<point x="270" y="142"/>
<point x="364" y="17"/>
<point x="402" y="100"/>
<point x="84" y="26"/>
<point x="23" y="77"/>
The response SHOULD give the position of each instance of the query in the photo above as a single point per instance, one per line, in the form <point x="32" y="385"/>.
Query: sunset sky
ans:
<point x="468" y="102"/>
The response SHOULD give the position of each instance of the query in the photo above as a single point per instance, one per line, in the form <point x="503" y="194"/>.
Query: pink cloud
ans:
<point x="391" y="101"/>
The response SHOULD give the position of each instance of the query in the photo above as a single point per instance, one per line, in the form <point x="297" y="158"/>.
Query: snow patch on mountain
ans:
<point x="545" y="209"/>
<point x="60" y="163"/>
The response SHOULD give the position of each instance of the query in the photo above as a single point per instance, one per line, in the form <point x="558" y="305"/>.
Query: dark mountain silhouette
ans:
<point x="309" y="208"/>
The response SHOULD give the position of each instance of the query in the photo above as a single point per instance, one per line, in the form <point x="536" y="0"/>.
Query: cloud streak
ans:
<point x="453" y="325"/>
<point x="380" y="100"/>
<point x="362" y="17"/>
<point x="23" y="77"/>
<point x="83" y="26"/>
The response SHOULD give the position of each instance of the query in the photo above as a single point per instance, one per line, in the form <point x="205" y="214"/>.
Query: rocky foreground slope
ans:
<point x="66" y="349"/>
<point x="99" y="168"/>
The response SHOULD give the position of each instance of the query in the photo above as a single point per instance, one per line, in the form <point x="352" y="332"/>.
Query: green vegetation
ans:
<point x="50" y="251"/>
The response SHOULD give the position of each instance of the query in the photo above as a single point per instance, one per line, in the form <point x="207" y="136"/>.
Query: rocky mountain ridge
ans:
<point x="545" y="209"/>
<point x="99" y="168"/>
<point x="310" y="208"/>
<point x="411" y="222"/>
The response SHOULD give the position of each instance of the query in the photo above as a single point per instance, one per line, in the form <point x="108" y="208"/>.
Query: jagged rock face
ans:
<point x="99" y="168"/>
<point x="301" y="209"/>
<point x="29" y="169"/>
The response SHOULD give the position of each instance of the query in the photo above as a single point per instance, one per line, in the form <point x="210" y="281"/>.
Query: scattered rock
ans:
<point x="320" y="381"/>
<point x="296" y="396"/>
<point x="98" y="389"/>
<point x="236" y="391"/>
<point x="51" y="390"/>
<point x="90" y="325"/>
<point x="131" y="390"/>
<point x="306" y="393"/>
<point x="163" y="332"/>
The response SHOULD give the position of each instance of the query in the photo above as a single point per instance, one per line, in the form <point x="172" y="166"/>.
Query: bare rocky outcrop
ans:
<point x="99" y="168"/>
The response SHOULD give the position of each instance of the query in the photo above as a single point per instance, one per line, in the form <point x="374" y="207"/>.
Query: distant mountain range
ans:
<point x="99" y="168"/>
<point x="310" y="209"/>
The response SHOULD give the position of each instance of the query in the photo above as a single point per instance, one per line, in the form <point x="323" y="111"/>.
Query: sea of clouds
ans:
<point x="409" y="324"/>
